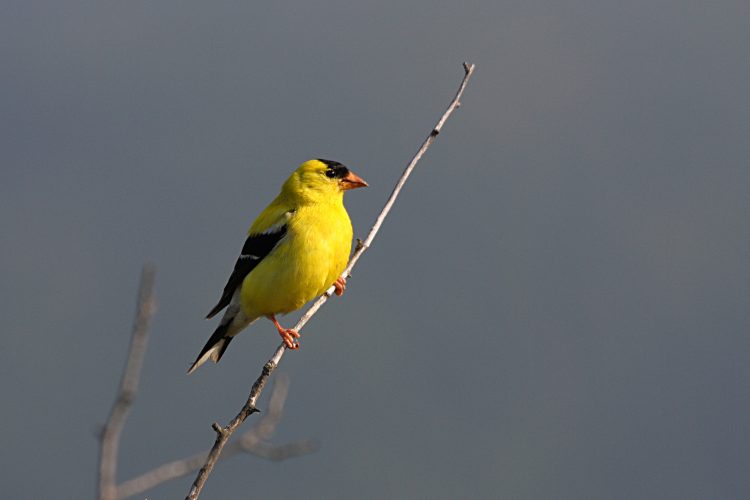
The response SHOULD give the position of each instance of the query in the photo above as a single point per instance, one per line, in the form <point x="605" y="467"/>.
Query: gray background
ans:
<point x="557" y="307"/>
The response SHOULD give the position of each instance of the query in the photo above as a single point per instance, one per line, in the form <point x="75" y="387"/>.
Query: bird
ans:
<point x="295" y="250"/>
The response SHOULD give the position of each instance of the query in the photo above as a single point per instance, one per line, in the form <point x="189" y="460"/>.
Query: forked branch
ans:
<point x="253" y="442"/>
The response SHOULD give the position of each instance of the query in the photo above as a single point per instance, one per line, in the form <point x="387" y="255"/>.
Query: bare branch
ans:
<point x="224" y="433"/>
<point x="110" y="437"/>
<point x="251" y="442"/>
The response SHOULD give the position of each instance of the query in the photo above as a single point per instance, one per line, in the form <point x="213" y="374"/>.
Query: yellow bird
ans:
<point x="296" y="249"/>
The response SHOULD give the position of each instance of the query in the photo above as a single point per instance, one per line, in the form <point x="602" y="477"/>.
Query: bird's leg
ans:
<point x="340" y="285"/>
<point x="287" y="334"/>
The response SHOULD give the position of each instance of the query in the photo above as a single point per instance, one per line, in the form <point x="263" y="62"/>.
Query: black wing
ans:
<point x="256" y="247"/>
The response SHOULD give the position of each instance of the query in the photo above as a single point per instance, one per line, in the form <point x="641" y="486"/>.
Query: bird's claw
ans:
<point x="340" y="286"/>
<point x="289" y="336"/>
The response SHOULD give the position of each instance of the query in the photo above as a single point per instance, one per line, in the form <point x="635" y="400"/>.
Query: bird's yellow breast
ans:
<point x="305" y="263"/>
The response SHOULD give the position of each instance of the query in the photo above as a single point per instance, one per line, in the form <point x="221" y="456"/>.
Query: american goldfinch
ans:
<point x="296" y="249"/>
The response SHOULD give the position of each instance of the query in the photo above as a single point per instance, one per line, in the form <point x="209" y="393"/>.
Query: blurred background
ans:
<point x="556" y="308"/>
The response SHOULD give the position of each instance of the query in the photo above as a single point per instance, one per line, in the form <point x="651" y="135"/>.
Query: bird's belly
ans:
<point x="292" y="276"/>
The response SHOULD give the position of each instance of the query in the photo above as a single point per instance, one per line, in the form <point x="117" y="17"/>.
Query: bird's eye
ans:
<point x="330" y="173"/>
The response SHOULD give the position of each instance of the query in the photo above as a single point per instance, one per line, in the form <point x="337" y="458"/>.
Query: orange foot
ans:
<point x="340" y="285"/>
<point x="287" y="334"/>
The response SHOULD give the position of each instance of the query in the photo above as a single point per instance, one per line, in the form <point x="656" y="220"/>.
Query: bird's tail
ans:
<point x="215" y="346"/>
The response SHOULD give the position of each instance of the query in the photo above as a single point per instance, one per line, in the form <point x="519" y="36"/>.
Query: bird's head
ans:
<point x="322" y="178"/>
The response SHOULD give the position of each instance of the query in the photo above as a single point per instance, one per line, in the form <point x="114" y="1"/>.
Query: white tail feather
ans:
<point x="212" y="354"/>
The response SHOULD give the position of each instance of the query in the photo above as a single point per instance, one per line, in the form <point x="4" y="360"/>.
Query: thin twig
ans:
<point x="223" y="433"/>
<point x="251" y="442"/>
<point x="110" y="437"/>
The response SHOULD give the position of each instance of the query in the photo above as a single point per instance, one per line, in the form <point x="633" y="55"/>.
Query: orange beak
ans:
<point x="352" y="181"/>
